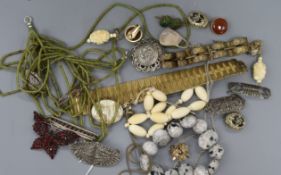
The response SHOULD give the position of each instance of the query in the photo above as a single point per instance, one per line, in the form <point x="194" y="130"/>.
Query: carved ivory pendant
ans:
<point x="259" y="70"/>
<point x="100" y="37"/>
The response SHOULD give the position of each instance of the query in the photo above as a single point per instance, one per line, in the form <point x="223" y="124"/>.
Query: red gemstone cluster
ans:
<point x="50" y="140"/>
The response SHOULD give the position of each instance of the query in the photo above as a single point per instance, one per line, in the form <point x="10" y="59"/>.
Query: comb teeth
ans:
<point x="171" y="82"/>
<point x="64" y="125"/>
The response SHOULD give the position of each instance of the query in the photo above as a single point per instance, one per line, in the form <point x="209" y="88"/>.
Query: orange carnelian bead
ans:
<point x="219" y="26"/>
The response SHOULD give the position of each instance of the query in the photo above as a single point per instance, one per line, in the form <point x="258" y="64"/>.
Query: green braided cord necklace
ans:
<point x="43" y="55"/>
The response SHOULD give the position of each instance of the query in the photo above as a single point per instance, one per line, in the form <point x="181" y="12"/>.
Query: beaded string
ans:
<point x="209" y="86"/>
<point x="137" y="147"/>
<point x="43" y="55"/>
<point x="134" y="146"/>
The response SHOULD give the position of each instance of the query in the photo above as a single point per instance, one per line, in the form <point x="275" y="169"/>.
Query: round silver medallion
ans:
<point x="146" y="55"/>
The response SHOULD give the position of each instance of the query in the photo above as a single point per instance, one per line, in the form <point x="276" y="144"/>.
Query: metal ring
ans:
<point x="28" y="20"/>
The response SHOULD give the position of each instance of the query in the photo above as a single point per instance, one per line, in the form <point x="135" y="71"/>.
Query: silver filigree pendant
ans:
<point x="146" y="55"/>
<point x="96" y="154"/>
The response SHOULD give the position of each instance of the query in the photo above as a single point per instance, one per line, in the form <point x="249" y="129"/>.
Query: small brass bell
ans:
<point x="133" y="33"/>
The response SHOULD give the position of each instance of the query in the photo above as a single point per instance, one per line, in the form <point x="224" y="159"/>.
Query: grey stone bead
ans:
<point x="185" y="169"/>
<point x="156" y="170"/>
<point x="161" y="137"/>
<point x="216" y="151"/>
<point x="144" y="162"/>
<point x="172" y="172"/>
<point x="150" y="148"/>
<point x="200" y="126"/>
<point x="208" y="139"/>
<point x="213" y="166"/>
<point x="200" y="170"/>
<point x="174" y="129"/>
<point x="189" y="121"/>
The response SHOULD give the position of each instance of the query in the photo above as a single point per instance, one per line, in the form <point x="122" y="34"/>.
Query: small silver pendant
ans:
<point x="146" y="55"/>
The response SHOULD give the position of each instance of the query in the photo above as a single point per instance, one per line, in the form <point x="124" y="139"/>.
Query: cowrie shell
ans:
<point x="148" y="102"/>
<point x="159" y="118"/>
<point x="159" y="107"/>
<point x="187" y="94"/>
<point x="197" y="105"/>
<point x="137" y="130"/>
<point x="180" y="112"/>
<point x="159" y="95"/>
<point x="201" y="93"/>
<point x="153" y="129"/>
<point x="137" y="119"/>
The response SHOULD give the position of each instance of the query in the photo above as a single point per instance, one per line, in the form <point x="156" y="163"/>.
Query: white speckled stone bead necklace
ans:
<point x="170" y="121"/>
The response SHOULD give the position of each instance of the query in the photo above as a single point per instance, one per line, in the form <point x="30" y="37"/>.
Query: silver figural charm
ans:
<point x="223" y="105"/>
<point x="146" y="55"/>
<point x="249" y="90"/>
